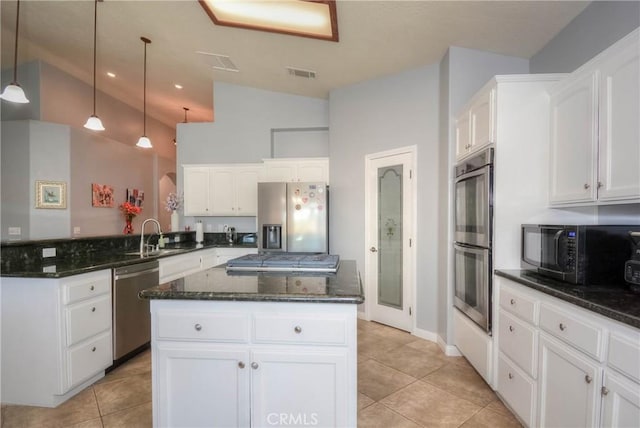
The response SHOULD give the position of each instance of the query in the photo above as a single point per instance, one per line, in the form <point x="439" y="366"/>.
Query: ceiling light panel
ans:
<point x="316" y="19"/>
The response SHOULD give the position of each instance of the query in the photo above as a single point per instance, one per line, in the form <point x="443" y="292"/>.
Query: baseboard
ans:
<point x="425" y="334"/>
<point x="449" y="350"/>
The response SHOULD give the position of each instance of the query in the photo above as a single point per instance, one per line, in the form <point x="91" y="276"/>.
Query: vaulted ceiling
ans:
<point x="377" y="38"/>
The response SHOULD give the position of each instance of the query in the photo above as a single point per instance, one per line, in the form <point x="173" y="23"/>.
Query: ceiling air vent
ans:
<point x="218" y="61"/>
<point x="299" y="72"/>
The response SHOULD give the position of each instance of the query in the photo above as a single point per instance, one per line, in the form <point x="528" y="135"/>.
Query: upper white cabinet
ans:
<point x="595" y="138"/>
<point x="296" y="169"/>
<point x="475" y="126"/>
<point x="225" y="190"/>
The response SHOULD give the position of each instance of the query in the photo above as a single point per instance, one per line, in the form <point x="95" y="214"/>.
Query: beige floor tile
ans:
<point x="93" y="423"/>
<point x="123" y="393"/>
<point x="365" y="326"/>
<point x="430" y="406"/>
<point x="411" y="361"/>
<point x="498" y="407"/>
<point x="364" y="401"/>
<point x="372" y="345"/>
<point x="79" y="408"/>
<point x="378" y="416"/>
<point x="393" y="334"/>
<point x="139" y="364"/>
<point x="489" y="419"/>
<point x="425" y="346"/>
<point x="377" y="381"/>
<point x="138" y="417"/>
<point x="462" y="381"/>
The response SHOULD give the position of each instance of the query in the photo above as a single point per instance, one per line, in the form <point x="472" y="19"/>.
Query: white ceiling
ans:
<point x="377" y="38"/>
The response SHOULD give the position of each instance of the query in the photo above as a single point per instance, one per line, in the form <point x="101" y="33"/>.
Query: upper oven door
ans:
<point x="473" y="207"/>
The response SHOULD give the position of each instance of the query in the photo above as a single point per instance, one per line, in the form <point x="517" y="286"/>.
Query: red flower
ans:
<point x="129" y="209"/>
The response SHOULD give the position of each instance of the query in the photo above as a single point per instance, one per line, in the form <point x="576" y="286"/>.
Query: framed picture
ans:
<point x="135" y="197"/>
<point x="51" y="194"/>
<point x="101" y="195"/>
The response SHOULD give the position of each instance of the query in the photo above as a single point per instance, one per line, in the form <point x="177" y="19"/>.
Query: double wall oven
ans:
<point x="473" y="237"/>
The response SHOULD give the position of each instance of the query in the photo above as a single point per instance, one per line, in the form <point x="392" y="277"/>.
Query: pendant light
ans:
<point x="13" y="92"/>
<point x="94" y="123"/>
<point x="186" y="109"/>
<point x="144" y="141"/>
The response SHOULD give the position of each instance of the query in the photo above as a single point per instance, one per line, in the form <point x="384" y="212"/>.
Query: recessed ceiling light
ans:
<point x="110" y="74"/>
<point x="178" y="86"/>
<point x="307" y="18"/>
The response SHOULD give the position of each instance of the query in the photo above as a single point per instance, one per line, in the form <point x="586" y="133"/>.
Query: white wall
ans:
<point x="241" y="133"/>
<point x="373" y="116"/>
<point x="15" y="180"/>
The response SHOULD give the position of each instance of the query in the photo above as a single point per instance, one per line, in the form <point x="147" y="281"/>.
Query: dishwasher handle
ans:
<point x="134" y="274"/>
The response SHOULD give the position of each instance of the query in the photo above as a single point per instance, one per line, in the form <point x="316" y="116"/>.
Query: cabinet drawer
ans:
<point x="519" y="342"/>
<point x="301" y="329"/>
<point x="89" y="359"/>
<point x="86" y="286"/>
<point x="517" y="389"/>
<point x="518" y="304"/>
<point x="87" y="318"/>
<point x="221" y="327"/>
<point x="572" y="329"/>
<point x="624" y="355"/>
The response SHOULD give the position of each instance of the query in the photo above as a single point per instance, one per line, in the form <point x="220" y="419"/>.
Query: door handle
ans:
<point x="373" y="249"/>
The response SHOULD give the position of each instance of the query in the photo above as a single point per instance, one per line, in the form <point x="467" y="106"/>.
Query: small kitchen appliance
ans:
<point x="632" y="267"/>
<point x="293" y="217"/>
<point x="578" y="254"/>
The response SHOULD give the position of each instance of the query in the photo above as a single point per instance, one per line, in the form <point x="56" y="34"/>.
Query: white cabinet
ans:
<point x="595" y="138"/>
<point x="569" y="386"/>
<point x="297" y="169"/>
<point x="223" y="190"/>
<point x="175" y="267"/>
<point x="476" y="125"/>
<point x="56" y="336"/>
<point x="620" y="401"/>
<point x="253" y="363"/>
<point x="223" y="254"/>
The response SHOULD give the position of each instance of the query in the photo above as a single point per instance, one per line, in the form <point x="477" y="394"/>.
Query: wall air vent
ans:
<point x="218" y="61"/>
<point x="299" y="72"/>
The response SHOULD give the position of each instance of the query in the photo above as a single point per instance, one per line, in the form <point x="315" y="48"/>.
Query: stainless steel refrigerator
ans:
<point x="293" y="217"/>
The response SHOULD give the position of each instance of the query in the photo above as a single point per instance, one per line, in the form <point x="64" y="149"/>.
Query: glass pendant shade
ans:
<point x="94" y="123"/>
<point x="144" y="142"/>
<point x="14" y="93"/>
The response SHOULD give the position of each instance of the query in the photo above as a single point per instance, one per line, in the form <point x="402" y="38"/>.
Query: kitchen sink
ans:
<point x="161" y="252"/>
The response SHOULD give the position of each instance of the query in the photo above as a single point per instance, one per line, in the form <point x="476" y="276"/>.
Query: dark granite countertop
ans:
<point x="93" y="261"/>
<point x="616" y="302"/>
<point x="216" y="283"/>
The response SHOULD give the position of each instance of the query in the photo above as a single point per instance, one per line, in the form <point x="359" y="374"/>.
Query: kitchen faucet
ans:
<point x="142" y="246"/>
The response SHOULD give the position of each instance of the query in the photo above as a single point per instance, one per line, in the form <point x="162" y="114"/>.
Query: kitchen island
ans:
<point x="256" y="348"/>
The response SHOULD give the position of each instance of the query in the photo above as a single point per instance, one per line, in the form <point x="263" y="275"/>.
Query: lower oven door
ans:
<point x="472" y="277"/>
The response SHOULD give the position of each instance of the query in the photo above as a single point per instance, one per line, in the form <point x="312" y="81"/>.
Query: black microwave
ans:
<point x="578" y="254"/>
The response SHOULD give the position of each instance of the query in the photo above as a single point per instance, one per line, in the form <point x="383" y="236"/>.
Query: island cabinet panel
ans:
<point x="271" y="375"/>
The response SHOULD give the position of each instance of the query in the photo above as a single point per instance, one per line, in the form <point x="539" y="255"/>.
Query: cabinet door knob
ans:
<point x="297" y="329"/>
<point x="92" y="288"/>
<point x="373" y="249"/>
<point x="254" y="365"/>
<point x="588" y="379"/>
<point x="604" y="390"/>
<point x="198" y="327"/>
<point x="599" y="184"/>
<point x="586" y="186"/>
<point x="93" y="349"/>
<point x="562" y="327"/>
<point x="510" y="375"/>
<point x="510" y="328"/>
<point x="240" y="364"/>
<point x="513" y="302"/>
<point x="93" y="309"/>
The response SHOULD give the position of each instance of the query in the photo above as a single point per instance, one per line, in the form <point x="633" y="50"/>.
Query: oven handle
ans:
<point x="467" y="175"/>
<point x="468" y="249"/>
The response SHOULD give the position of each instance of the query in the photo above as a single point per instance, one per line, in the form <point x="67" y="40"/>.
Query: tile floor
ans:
<point x="403" y="381"/>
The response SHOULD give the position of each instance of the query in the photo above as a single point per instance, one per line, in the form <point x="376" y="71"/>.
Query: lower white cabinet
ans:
<point x="569" y="386"/>
<point x="56" y="336"/>
<point x="303" y="373"/>
<point x="175" y="267"/>
<point x="620" y="401"/>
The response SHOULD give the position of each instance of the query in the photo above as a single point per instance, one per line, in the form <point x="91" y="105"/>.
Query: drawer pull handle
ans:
<point x="240" y="364"/>
<point x="604" y="390"/>
<point x="562" y="327"/>
<point x="254" y="365"/>
<point x="93" y="309"/>
<point x="93" y="349"/>
<point x="513" y="302"/>
<point x="297" y="329"/>
<point x="586" y="186"/>
<point x="588" y="379"/>
<point x="198" y="327"/>
<point x="510" y="328"/>
<point x="510" y="375"/>
<point x="92" y="288"/>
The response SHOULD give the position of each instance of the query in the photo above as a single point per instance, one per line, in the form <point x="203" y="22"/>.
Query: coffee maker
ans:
<point x="632" y="267"/>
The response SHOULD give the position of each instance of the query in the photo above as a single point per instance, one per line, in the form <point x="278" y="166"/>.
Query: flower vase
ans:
<point x="175" y="221"/>
<point x="128" y="227"/>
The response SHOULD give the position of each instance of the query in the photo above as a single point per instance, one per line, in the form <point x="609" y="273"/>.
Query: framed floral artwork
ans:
<point x="51" y="194"/>
<point x="101" y="195"/>
<point x="135" y="197"/>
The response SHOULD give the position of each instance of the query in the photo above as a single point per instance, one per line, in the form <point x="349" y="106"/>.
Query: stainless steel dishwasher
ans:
<point x="131" y="316"/>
